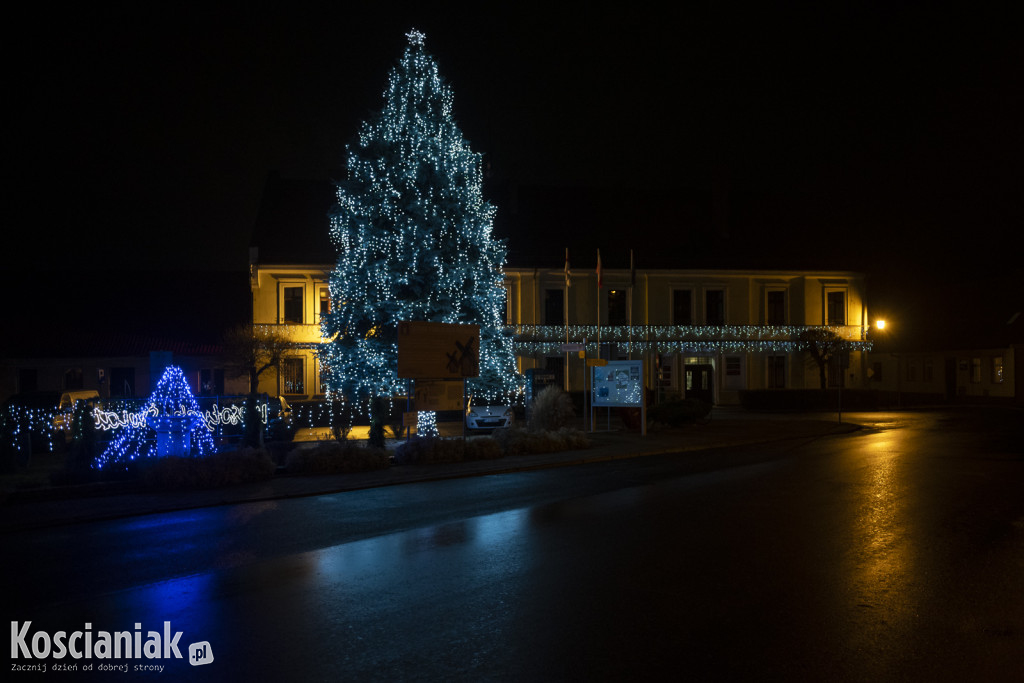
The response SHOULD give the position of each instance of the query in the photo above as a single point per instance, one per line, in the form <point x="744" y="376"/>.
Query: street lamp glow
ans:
<point x="880" y="324"/>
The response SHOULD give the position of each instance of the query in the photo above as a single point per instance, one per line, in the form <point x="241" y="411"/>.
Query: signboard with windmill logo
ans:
<point x="438" y="350"/>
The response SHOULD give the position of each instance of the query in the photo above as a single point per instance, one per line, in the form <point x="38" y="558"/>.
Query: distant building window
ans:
<point x="554" y="307"/>
<point x="775" y="311"/>
<point x="325" y="302"/>
<point x="666" y="376"/>
<point x="732" y="366"/>
<point x="506" y="291"/>
<point x="122" y="382"/>
<point x="926" y="370"/>
<point x="292" y="376"/>
<point x="836" y="313"/>
<point x="876" y="371"/>
<point x="975" y="370"/>
<point x="776" y="372"/>
<point x="911" y="371"/>
<point x="714" y="307"/>
<point x="997" y="370"/>
<point x="321" y="378"/>
<point x="211" y="381"/>
<point x="835" y="371"/>
<point x="292" y="305"/>
<point x="682" y="307"/>
<point x="617" y="309"/>
<point x="73" y="379"/>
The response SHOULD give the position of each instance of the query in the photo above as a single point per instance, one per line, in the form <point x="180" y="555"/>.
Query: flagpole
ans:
<point x="629" y="302"/>
<point x="598" y="303"/>
<point x="568" y="283"/>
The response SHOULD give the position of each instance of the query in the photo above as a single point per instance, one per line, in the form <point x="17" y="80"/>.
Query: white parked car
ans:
<point x="488" y="416"/>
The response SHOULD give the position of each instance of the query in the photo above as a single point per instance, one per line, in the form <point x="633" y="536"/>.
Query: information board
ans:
<point x="619" y="383"/>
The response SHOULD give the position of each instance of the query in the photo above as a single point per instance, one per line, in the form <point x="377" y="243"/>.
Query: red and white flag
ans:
<point x="568" y="273"/>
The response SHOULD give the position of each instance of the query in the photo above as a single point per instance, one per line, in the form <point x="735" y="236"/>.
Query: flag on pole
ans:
<point x="568" y="273"/>
<point x="599" y="269"/>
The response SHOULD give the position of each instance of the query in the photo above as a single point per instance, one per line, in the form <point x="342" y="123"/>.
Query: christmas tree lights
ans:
<point x="171" y="398"/>
<point x="414" y="242"/>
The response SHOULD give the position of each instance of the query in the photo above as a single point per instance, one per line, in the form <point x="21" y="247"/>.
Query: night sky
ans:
<point x="142" y="138"/>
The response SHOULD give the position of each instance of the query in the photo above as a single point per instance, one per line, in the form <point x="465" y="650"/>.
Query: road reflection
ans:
<point x="882" y="567"/>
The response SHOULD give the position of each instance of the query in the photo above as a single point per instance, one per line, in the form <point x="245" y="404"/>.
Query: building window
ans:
<point x="911" y="371"/>
<point x="506" y="291"/>
<point x="324" y="302"/>
<point x="975" y="370"/>
<point x="292" y="376"/>
<point x="122" y="382"/>
<point x="732" y="366"/>
<point x="321" y="380"/>
<point x="666" y="376"/>
<point x="554" y="306"/>
<point x="876" y="371"/>
<point x="836" y="313"/>
<point x="997" y="370"/>
<point x="776" y="372"/>
<point x="926" y="370"/>
<point x="714" y="307"/>
<point x="682" y="307"/>
<point x="211" y="382"/>
<point x="617" y="309"/>
<point x="73" y="379"/>
<point x="291" y="305"/>
<point x="775" y="307"/>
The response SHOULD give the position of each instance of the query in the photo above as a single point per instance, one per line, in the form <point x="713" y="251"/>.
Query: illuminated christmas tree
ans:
<point x="414" y="241"/>
<point x="173" y="399"/>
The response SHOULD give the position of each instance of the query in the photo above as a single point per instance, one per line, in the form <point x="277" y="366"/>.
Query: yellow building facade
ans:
<point x="702" y="333"/>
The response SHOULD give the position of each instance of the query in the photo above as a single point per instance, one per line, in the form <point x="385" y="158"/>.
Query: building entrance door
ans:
<point x="699" y="382"/>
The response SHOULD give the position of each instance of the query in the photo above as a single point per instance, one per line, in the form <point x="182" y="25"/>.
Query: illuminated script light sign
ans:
<point x="619" y="383"/>
<point x="216" y="416"/>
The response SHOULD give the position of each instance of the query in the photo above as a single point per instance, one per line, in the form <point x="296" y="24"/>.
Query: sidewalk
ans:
<point x="54" y="507"/>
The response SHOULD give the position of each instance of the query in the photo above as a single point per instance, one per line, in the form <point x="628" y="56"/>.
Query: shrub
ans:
<point x="428" y="450"/>
<point x="551" y="410"/>
<point x="424" y="450"/>
<point x="219" y="469"/>
<point x="528" y="442"/>
<point x="679" y="412"/>
<point x="336" y="457"/>
<point x="483" y="448"/>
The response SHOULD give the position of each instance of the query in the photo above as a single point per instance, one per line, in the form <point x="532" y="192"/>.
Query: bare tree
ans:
<point x="821" y="344"/>
<point x="250" y="351"/>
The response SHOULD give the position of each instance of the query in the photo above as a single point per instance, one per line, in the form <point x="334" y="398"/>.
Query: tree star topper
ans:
<point x="416" y="37"/>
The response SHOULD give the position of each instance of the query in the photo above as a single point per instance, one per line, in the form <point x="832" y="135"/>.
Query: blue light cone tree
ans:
<point x="172" y="396"/>
<point x="414" y="240"/>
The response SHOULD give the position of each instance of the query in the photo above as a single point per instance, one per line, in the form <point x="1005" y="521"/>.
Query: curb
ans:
<point x="190" y="500"/>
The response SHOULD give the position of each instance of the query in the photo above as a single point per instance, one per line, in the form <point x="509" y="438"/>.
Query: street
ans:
<point x="893" y="553"/>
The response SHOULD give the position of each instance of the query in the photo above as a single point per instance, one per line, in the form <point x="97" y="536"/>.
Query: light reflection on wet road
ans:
<point x="894" y="553"/>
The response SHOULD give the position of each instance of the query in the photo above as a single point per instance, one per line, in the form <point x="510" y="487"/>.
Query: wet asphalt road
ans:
<point x="895" y="553"/>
